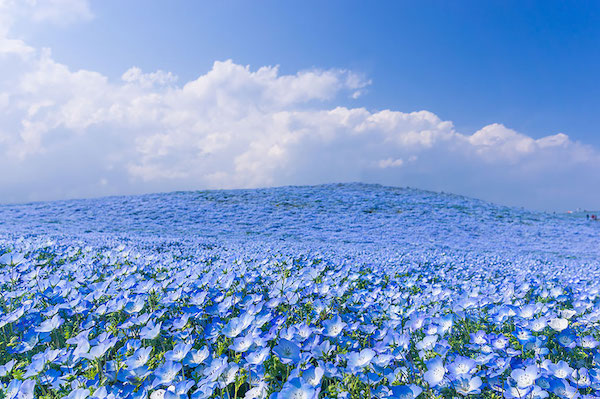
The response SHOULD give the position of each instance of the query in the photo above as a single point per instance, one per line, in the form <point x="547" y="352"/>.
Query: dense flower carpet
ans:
<point x="332" y="291"/>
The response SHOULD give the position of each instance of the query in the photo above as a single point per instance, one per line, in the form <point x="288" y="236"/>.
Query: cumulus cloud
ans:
<point x="72" y="133"/>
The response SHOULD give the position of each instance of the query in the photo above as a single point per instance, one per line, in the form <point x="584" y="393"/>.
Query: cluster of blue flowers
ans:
<point x="345" y="291"/>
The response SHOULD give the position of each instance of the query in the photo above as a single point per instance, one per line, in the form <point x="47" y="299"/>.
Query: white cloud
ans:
<point x="58" y="12"/>
<point x="390" y="163"/>
<point x="66" y="133"/>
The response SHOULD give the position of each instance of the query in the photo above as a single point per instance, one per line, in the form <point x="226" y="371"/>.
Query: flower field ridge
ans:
<point x="331" y="291"/>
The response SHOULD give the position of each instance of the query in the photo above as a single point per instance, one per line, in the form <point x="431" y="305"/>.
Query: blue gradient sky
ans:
<point x="533" y="66"/>
<point x="496" y="100"/>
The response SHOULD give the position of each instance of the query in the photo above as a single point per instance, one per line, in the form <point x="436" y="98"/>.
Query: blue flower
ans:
<point x="333" y="327"/>
<point x="50" y="325"/>
<point x="196" y="357"/>
<point x="237" y="325"/>
<point x="139" y="358"/>
<point x="79" y="393"/>
<point x="526" y="377"/>
<point x="150" y="331"/>
<point x="258" y="357"/>
<point x="435" y="372"/>
<point x="214" y="370"/>
<point x="359" y="360"/>
<point x="178" y="353"/>
<point x="313" y="375"/>
<point x="461" y="367"/>
<point x="295" y="388"/>
<point x="467" y="385"/>
<point x="405" y="391"/>
<point x="287" y="351"/>
<point x="6" y="368"/>
<point x="166" y="373"/>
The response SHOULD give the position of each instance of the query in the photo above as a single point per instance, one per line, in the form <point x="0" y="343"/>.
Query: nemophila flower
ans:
<point x="527" y="311"/>
<point x="498" y="366"/>
<point x="216" y="367"/>
<point x="26" y="390"/>
<point x="558" y="324"/>
<point x="236" y="325"/>
<point x="581" y="378"/>
<point x="478" y="338"/>
<point x="499" y="342"/>
<point x="38" y="362"/>
<point x="515" y="352"/>
<point x="258" y="357"/>
<point x="212" y="332"/>
<point x="560" y="370"/>
<point x="524" y="336"/>
<point x="150" y="331"/>
<point x="295" y="388"/>
<point x="79" y="393"/>
<point x="538" y="324"/>
<point x="435" y="372"/>
<point x="359" y="360"/>
<point x="178" y="353"/>
<point x="567" y="339"/>
<point x="394" y="339"/>
<point x="405" y="391"/>
<point x="427" y="343"/>
<point x="511" y="391"/>
<point x="12" y="316"/>
<point x="287" y="351"/>
<point x="100" y="349"/>
<point x="445" y="323"/>
<point x="308" y="345"/>
<point x="288" y="333"/>
<point x="538" y="393"/>
<point x="179" y="391"/>
<point x="180" y="322"/>
<point x="261" y="319"/>
<point x="370" y="378"/>
<point x="333" y="327"/>
<point x="196" y="357"/>
<point x="204" y="391"/>
<point x="323" y="349"/>
<point x="313" y="375"/>
<point x="257" y="392"/>
<point x="143" y="318"/>
<point x="158" y="394"/>
<point x="50" y="324"/>
<point x="330" y="370"/>
<point x="461" y="367"/>
<point x="383" y="360"/>
<point x="139" y="358"/>
<point x="12" y="390"/>
<point x="228" y="375"/>
<point x="303" y="331"/>
<point x="136" y="305"/>
<point x="135" y="375"/>
<point x="588" y="342"/>
<point x="242" y="344"/>
<point x="563" y="389"/>
<point x="166" y="373"/>
<point x="467" y="385"/>
<point x="526" y="377"/>
<point x="6" y="368"/>
<point x="568" y="313"/>
<point x="198" y="298"/>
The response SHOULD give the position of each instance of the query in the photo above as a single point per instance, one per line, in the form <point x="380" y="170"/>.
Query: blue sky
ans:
<point x="532" y="66"/>
<point x="504" y="75"/>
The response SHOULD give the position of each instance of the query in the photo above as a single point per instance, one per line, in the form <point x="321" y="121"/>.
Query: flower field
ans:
<point x="333" y="291"/>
